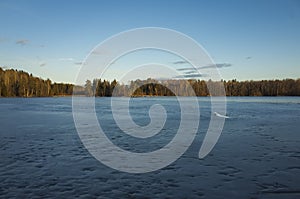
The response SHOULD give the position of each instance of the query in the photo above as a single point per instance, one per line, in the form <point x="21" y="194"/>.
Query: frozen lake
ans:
<point x="257" y="155"/>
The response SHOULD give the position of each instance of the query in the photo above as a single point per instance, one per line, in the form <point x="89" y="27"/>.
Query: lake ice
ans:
<point x="257" y="155"/>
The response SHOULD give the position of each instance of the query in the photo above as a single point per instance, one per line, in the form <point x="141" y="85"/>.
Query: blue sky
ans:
<point x="260" y="39"/>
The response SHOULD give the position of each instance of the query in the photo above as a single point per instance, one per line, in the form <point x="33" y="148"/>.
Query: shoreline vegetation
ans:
<point x="14" y="83"/>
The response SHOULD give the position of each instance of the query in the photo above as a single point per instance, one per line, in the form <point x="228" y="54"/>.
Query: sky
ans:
<point x="249" y="39"/>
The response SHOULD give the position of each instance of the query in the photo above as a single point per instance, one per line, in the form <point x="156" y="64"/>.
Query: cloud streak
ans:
<point x="191" y="72"/>
<point x="195" y="75"/>
<point x="22" y="42"/>
<point x="180" y="62"/>
<point x="78" y="63"/>
<point x="222" y="65"/>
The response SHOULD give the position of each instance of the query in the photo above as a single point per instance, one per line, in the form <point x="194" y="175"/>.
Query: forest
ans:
<point x="14" y="83"/>
<point x="151" y="87"/>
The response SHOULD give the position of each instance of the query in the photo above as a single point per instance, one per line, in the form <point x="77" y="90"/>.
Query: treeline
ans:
<point x="286" y="87"/>
<point x="14" y="83"/>
<point x="151" y="87"/>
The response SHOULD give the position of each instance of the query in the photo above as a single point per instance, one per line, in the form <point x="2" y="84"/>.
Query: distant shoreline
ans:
<point x="70" y="96"/>
<point x="14" y="83"/>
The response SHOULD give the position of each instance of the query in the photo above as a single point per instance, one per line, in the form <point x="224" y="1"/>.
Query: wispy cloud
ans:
<point x="190" y="76"/>
<point x="222" y="65"/>
<point x="180" y="62"/>
<point x="43" y="64"/>
<point x="78" y="63"/>
<point x="189" y="68"/>
<point x="22" y="42"/>
<point x="191" y="72"/>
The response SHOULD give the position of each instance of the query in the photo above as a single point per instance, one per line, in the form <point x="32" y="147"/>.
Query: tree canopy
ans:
<point x="14" y="83"/>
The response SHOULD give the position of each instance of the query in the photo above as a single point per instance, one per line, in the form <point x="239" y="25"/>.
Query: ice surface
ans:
<point x="257" y="156"/>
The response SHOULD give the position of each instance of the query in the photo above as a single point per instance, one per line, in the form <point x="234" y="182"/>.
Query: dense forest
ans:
<point x="151" y="87"/>
<point x="14" y="83"/>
